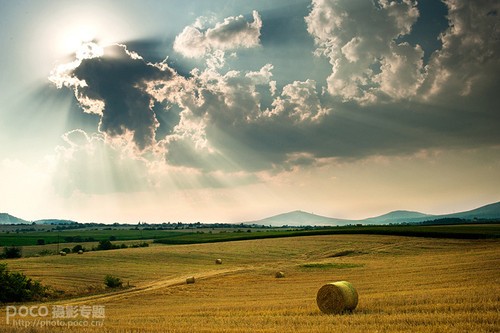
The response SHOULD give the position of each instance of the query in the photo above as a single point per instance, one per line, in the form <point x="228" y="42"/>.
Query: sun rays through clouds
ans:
<point x="228" y="106"/>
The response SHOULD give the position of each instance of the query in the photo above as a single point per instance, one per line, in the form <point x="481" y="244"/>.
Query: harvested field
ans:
<point x="405" y="285"/>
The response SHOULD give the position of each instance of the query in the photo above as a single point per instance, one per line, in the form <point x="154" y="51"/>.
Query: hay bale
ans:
<point x="62" y="253"/>
<point x="80" y="251"/>
<point x="279" y="275"/>
<point x="337" y="297"/>
<point x="218" y="261"/>
<point x="190" y="280"/>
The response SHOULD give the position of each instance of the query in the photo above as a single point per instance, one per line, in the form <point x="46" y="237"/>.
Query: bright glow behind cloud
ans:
<point x="217" y="129"/>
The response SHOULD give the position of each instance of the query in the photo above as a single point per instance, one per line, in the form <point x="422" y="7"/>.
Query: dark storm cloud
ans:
<point x="239" y="120"/>
<point x="118" y="79"/>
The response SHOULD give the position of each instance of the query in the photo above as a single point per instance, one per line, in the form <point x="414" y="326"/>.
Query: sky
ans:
<point x="232" y="110"/>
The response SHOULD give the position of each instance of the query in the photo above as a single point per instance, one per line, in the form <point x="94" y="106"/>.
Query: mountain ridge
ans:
<point x="10" y="219"/>
<point x="301" y="218"/>
<point x="489" y="211"/>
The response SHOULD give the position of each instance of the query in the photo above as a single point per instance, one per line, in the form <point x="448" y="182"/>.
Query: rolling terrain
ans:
<point x="406" y="284"/>
<point x="300" y="218"/>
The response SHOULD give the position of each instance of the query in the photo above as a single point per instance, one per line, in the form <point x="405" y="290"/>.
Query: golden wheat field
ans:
<point x="405" y="284"/>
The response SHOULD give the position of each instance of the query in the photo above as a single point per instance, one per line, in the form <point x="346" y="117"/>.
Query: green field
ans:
<point x="446" y="231"/>
<point x="85" y="235"/>
<point x="462" y="231"/>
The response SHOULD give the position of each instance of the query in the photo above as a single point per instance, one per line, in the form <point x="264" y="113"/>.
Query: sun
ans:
<point x="73" y="38"/>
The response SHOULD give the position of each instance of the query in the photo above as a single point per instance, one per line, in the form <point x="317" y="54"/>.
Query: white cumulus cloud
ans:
<point x="232" y="33"/>
<point x="360" y="40"/>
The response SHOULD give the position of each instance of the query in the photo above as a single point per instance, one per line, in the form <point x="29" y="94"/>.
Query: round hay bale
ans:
<point x="62" y="253"/>
<point x="337" y="297"/>
<point x="80" y="251"/>
<point x="279" y="275"/>
<point x="190" y="280"/>
<point x="218" y="261"/>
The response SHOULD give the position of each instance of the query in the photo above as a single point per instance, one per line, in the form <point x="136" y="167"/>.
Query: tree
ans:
<point x="113" y="281"/>
<point x="77" y="248"/>
<point x="17" y="287"/>
<point x="104" y="245"/>
<point x="12" y="252"/>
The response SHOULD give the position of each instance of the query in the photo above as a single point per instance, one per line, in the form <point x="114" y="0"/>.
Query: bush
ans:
<point x="104" y="245"/>
<point x="112" y="281"/>
<point x="144" y="244"/>
<point x="77" y="248"/>
<point x="17" y="287"/>
<point x="12" y="252"/>
<point x="46" y="253"/>
<point x="66" y="249"/>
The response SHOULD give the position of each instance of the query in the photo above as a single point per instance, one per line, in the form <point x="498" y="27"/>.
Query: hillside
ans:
<point x="491" y="211"/>
<point x="299" y="218"/>
<point x="9" y="219"/>
<point x="398" y="216"/>
<point x="55" y="222"/>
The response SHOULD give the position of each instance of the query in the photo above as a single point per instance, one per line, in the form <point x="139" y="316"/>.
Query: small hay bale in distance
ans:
<point x="218" y="261"/>
<point x="80" y="251"/>
<point x="279" y="275"/>
<point x="337" y="297"/>
<point x="190" y="280"/>
<point x="62" y="253"/>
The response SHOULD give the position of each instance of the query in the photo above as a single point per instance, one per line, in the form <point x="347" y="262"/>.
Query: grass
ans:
<point x="479" y="231"/>
<point x="405" y="284"/>
<point x="330" y="265"/>
<point x="465" y="231"/>
<point x="66" y="236"/>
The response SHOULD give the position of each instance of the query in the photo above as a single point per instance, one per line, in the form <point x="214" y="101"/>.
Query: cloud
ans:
<point x="112" y="85"/>
<point x="469" y="59"/>
<point x="233" y="33"/>
<point x="298" y="103"/>
<point x="360" y="40"/>
<point x="371" y="63"/>
<point x="379" y="99"/>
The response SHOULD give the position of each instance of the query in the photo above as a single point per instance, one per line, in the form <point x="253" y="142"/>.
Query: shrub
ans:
<point x="66" y="249"/>
<point x="77" y="248"/>
<point x="12" y="252"/>
<point x="17" y="287"/>
<point x="104" y="245"/>
<point x="112" y="281"/>
<point x="143" y="244"/>
<point x="46" y="253"/>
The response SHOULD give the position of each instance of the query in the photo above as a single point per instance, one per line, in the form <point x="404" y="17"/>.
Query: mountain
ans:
<point x="491" y="211"/>
<point x="299" y="218"/>
<point x="55" y="222"/>
<point x="398" y="216"/>
<point x="9" y="219"/>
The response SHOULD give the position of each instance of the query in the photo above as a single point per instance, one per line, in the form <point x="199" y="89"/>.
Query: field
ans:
<point x="406" y="284"/>
<point x="195" y="235"/>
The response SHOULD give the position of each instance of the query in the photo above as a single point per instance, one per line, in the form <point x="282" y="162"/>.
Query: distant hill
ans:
<point x="491" y="211"/>
<point x="9" y="219"/>
<point x="55" y="222"/>
<point x="398" y="216"/>
<point x="299" y="218"/>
